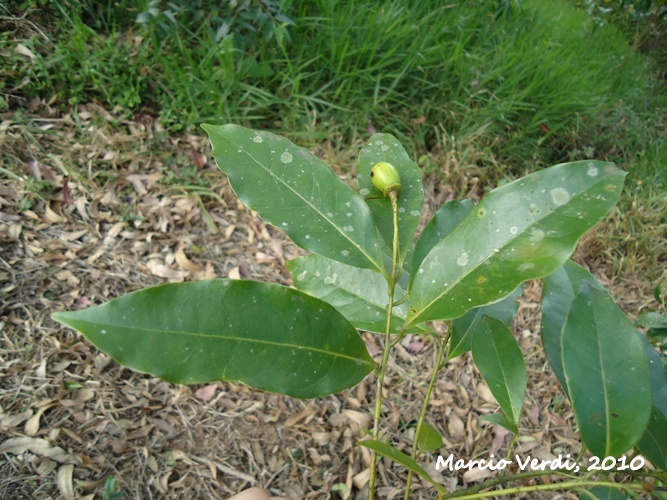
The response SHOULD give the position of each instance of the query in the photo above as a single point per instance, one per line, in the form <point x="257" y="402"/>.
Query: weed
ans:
<point x="527" y="81"/>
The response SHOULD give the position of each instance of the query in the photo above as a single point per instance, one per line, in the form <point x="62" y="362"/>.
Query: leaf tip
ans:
<point x="63" y="317"/>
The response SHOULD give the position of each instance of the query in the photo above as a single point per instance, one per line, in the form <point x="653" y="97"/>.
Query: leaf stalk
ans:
<point x="392" y="279"/>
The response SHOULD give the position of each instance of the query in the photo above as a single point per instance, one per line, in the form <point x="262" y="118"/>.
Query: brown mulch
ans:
<point x="92" y="207"/>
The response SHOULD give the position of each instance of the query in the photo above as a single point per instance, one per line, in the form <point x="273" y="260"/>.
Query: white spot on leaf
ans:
<point x="514" y="230"/>
<point x="559" y="196"/>
<point x="463" y="259"/>
<point x="258" y="139"/>
<point x="592" y="170"/>
<point x="536" y="236"/>
<point x="526" y="266"/>
<point x="286" y="157"/>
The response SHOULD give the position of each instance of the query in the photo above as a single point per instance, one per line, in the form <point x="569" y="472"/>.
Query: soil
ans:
<point x="93" y="207"/>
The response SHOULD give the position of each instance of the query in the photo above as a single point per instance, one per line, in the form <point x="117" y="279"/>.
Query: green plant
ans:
<point x="247" y="21"/>
<point x="365" y="273"/>
<point x="500" y="75"/>
<point x="112" y="490"/>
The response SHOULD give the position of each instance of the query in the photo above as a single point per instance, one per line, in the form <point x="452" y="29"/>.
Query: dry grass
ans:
<point x="125" y="221"/>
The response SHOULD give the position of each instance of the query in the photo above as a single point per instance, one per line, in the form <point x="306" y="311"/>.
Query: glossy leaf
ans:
<point x="264" y="335"/>
<point x="498" y="357"/>
<point x="523" y="230"/>
<point x="501" y="420"/>
<point x="558" y="293"/>
<point x="401" y="458"/>
<point x="603" y="493"/>
<point x="652" y="320"/>
<point x="359" y="294"/>
<point x="293" y="190"/>
<point x="607" y="373"/>
<point x="385" y="148"/>
<point x="653" y="443"/>
<point x="658" y="379"/>
<point x="445" y="219"/>
<point x="463" y="328"/>
<point x="429" y="438"/>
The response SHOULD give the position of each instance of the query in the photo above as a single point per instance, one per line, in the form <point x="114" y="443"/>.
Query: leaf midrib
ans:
<point x="110" y="326"/>
<point x="314" y="207"/>
<point x="516" y="412"/>
<point x="607" y="410"/>
<point x="512" y="238"/>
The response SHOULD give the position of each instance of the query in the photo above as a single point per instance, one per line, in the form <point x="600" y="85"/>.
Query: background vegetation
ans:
<point x="105" y="188"/>
<point x="492" y="88"/>
<point x="515" y="85"/>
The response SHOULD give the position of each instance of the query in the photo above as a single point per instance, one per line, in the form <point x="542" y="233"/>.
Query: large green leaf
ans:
<point x="603" y="493"/>
<point x="498" y="357"/>
<point x="653" y="443"/>
<point x="401" y="458"/>
<point x="384" y="147"/>
<point x="501" y="420"/>
<point x="463" y="328"/>
<point x="265" y="335"/>
<point x="523" y="230"/>
<point x="359" y="294"/>
<point x="558" y="293"/>
<point x="445" y="219"/>
<point x="657" y="376"/>
<point x="607" y="373"/>
<point x="293" y="190"/>
<point x="429" y="438"/>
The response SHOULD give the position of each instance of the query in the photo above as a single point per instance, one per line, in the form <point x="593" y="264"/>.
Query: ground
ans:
<point x="92" y="207"/>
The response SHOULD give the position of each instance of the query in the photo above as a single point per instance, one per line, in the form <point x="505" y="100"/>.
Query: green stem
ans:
<point x="391" y="285"/>
<point x="468" y="492"/>
<point x="427" y="398"/>
<point x="549" y="487"/>
<point x="11" y="174"/>
<point x="513" y="443"/>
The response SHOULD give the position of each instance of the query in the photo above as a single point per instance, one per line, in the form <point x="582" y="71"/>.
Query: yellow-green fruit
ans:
<point x="385" y="177"/>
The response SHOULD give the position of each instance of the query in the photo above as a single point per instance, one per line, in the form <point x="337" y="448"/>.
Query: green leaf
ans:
<point x="501" y="420"/>
<point x="653" y="443"/>
<point x="558" y="293"/>
<point x="443" y="222"/>
<point x="429" y="438"/>
<point x="523" y="230"/>
<point x="498" y="357"/>
<point x="463" y="328"/>
<point x="652" y="320"/>
<point x="399" y="457"/>
<point x="293" y="190"/>
<point x="604" y="493"/>
<point x="384" y="147"/>
<point x="607" y="373"/>
<point x="658" y="378"/>
<point x="359" y="294"/>
<point x="264" y="335"/>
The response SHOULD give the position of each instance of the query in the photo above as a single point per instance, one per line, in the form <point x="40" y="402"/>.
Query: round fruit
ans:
<point x="385" y="177"/>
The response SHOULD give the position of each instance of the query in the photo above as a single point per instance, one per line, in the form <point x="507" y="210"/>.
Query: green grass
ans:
<point x="537" y="85"/>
